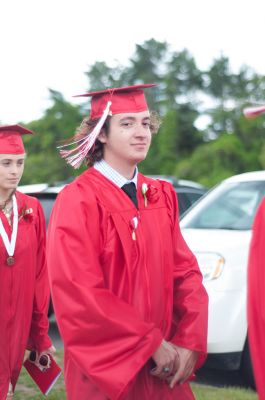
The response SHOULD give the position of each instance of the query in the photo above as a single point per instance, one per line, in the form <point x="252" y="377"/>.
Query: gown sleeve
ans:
<point x="190" y="301"/>
<point x="38" y="337"/>
<point x="104" y="335"/>
<point x="256" y="299"/>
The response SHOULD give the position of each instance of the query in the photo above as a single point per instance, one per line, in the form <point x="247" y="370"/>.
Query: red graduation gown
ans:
<point x="24" y="293"/>
<point x="256" y="299"/>
<point x="115" y="298"/>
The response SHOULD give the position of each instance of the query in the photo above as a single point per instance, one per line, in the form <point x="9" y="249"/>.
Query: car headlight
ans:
<point x="211" y="265"/>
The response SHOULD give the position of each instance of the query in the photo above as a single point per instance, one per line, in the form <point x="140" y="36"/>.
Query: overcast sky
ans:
<point x="51" y="43"/>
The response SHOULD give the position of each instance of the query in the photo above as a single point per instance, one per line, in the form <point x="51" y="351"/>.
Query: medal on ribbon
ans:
<point x="10" y="245"/>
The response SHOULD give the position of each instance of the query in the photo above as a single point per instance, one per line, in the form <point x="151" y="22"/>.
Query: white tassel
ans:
<point x="84" y="144"/>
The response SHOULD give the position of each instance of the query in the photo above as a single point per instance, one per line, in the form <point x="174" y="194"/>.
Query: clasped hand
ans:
<point x="173" y="363"/>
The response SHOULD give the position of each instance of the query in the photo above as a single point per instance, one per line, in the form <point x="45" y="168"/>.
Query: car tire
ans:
<point x="246" y="367"/>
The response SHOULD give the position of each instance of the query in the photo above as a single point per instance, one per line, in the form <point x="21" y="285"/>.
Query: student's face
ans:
<point x="11" y="170"/>
<point x="128" y="139"/>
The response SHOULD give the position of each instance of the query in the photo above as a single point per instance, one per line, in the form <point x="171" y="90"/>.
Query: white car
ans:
<point x="218" y="231"/>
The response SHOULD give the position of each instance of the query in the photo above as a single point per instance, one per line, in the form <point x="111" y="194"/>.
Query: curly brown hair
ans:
<point x="96" y="153"/>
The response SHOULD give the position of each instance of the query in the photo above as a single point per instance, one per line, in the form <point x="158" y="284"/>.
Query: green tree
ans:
<point x="145" y="66"/>
<point x="212" y="162"/>
<point x="183" y="80"/>
<point x="100" y="75"/>
<point x="227" y="144"/>
<point x="59" y="122"/>
<point x="229" y="93"/>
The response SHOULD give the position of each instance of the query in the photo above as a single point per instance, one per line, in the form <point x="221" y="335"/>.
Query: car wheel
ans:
<point x="246" y="367"/>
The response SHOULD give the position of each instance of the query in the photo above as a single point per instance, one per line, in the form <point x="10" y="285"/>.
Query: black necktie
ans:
<point x="130" y="190"/>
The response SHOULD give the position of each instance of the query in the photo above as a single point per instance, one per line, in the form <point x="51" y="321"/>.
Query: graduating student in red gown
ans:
<point x="256" y="300"/>
<point x="127" y="291"/>
<point x="24" y="290"/>
<point x="256" y="287"/>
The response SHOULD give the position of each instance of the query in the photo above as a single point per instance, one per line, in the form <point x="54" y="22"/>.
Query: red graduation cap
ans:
<point x="11" y="140"/>
<point x="252" y="112"/>
<point x="127" y="99"/>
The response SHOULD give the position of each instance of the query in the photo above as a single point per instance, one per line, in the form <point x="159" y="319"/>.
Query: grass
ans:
<point x="205" y="392"/>
<point x="27" y="390"/>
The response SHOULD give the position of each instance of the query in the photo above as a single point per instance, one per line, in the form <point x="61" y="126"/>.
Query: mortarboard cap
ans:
<point x="127" y="99"/>
<point x="11" y="140"/>
<point x="253" y="112"/>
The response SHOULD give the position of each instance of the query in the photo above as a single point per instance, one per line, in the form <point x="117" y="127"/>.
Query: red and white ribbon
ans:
<point x="134" y="224"/>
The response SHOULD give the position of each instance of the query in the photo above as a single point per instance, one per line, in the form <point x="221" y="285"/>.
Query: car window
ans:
<point x="183" y="202"/>
<point x="193" y="197"/>
<point x="47" y="205"/>
<point x="47" y="201"/>
<point x="187" y="197"/>
<point x="228" y="206"/>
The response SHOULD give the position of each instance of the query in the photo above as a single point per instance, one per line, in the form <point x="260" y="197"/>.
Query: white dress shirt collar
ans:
<point x="114" y="176"/>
